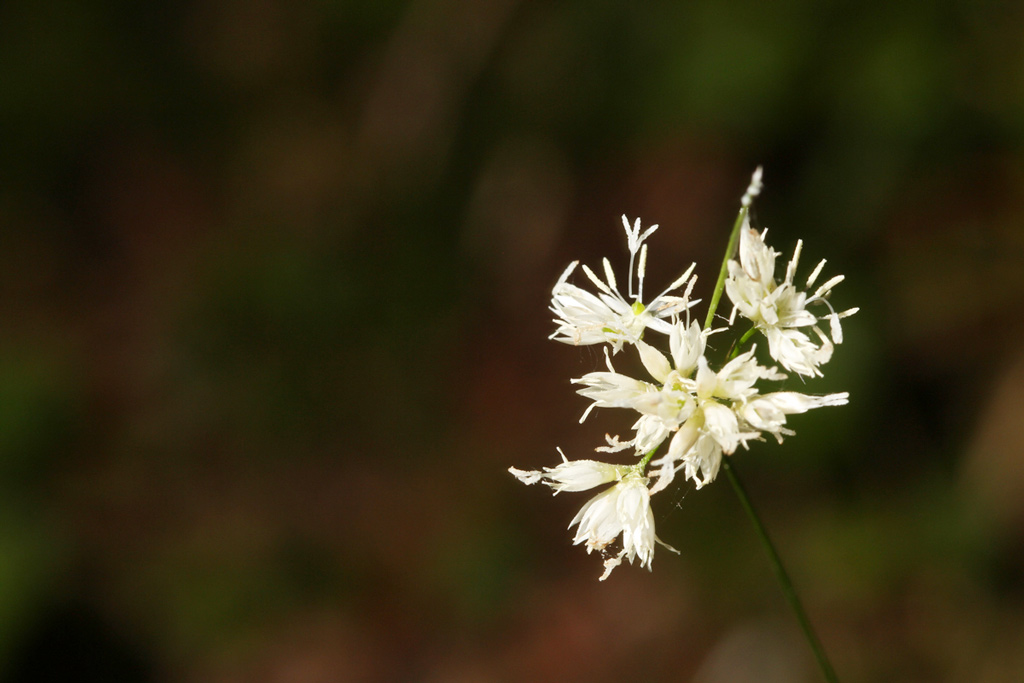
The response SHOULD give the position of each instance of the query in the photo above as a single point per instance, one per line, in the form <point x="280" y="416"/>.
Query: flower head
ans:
<point x="780" y="309"/>
<point x="573" y="475"/>
<point x="621" y="509"/>
<point x="585" y="318"/>
<point x="699" y="408"/>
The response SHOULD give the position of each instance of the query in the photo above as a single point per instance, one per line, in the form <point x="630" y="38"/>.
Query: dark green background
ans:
<point x="273" y="289"/>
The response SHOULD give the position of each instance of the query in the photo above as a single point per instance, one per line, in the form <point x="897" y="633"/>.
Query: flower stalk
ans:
<point x="785" y="582"/>
<point x="723" y="272"/>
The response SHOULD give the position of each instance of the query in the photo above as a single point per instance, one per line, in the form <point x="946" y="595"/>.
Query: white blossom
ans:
<point x="697" y="403"/>
<point x="623" y="509"/>
<point x="779" y="309"/>
<point x="768" y="413"/>
<point x="611" y="389"/>
<point x="706" y="413"/>
<point x="714" y="426"/>
<point x="573" y="475"/>
<point x="584" y="318"/>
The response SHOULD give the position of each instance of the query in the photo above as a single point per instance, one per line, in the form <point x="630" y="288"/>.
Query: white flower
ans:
<point x="737" y="378"/>
<point x="715" y="425"/>
<point x="702" y="462"/>
<point x="703" y="405"/>
<point x="706" y="416"/>
<point x="584" y="318"/>
<point x="667" y="402"/>
<point x="768" y="413"/>
<point x="573" y="475"/>
<point x="686" y="344"/>
<point x="708" y="410"/>
<point x="611" y="389"/>
<point x="622" y="509"/>
<point x="728" y="412"/>
<point x="779" y="310"/>
<point x="699" y="414"/>
<point x="682" y="442"/>
<point x="625" y="509"/>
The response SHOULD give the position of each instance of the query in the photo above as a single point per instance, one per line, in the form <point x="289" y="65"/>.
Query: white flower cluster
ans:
<point x="702" y="413"/>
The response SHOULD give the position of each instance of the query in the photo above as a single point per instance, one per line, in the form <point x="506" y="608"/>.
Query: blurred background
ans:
<point x="273" y="290"/>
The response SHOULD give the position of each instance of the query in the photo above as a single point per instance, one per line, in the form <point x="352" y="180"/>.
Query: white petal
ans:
<point x="794" y="403"/>
<point x="814" y="274"/>
<point x="707" y="380"/>
<point x="596" y="280"/>
<point x="526" y="476"/>
<point x="687" y="346"/>
<point x="824" y="289"/>
<point x="791" y="268"/>
<point x="835" y="328"/>
<point x="654" y="361"/>
<point x="721" y="423"/>
<point x="581" y="475"/>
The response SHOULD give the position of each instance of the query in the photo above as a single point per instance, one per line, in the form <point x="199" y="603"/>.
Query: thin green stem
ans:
<point x="743" y="340"/>
<point x="780" y="573"/>
<point x="647" y="458"/>
<point x="716" y="296"/>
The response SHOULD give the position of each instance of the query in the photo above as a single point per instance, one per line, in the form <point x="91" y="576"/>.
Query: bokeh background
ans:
<point x="273" y="289"/>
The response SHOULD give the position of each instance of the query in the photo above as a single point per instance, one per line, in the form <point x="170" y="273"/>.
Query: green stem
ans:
<point x="724" y="270"/>
<point x="743" y="340"/>
<point x="780" y="573"/>
<point x="647" y="458"/>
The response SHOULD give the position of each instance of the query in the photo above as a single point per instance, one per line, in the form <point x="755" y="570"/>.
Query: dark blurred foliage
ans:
<point x="273" y="285"/>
